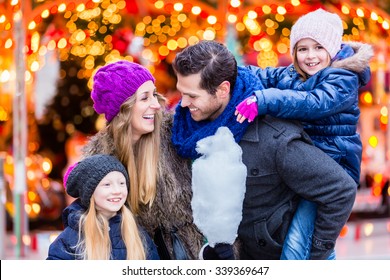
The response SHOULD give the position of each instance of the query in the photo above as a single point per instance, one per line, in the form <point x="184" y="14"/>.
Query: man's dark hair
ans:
<point x="210" y="58"/>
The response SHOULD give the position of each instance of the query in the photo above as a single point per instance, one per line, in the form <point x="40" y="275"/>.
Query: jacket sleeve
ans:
<point x="269" y="76"/>
<point x="60" y="250"/>
<point x="333" y="94"/>
<point x="316" y="177"/>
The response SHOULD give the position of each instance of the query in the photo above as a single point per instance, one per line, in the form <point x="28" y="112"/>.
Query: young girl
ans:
<point x="98" y="224"/>
<point x="138" y="133"/>
<point x="320" y="89"/>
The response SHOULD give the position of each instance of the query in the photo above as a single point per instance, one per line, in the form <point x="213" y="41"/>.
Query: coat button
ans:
<point x="254" y="171"/>
<point x="261" y="242"/>
<point x="328" y="246"/>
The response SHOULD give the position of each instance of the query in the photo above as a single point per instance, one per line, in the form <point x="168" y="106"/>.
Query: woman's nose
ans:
<point x="155" y="104"/>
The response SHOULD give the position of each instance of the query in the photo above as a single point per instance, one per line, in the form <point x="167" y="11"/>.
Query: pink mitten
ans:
<point x="248" y="108"/>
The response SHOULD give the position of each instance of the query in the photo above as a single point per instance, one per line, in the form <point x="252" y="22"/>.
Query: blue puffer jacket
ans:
<point x="63" y="247"/>
<point x="326" y="103"/>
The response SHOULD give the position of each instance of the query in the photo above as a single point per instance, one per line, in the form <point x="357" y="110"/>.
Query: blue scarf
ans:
<point x="186" y="132"/>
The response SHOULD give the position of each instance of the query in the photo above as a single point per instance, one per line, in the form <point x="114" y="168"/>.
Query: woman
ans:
<point x="138" y="133"/>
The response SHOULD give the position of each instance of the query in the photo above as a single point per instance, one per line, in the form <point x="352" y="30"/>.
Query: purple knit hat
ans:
<point x="114" y="83"/>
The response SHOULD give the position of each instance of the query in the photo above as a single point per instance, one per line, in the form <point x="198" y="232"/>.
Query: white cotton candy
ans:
<point x="218" y="185"/>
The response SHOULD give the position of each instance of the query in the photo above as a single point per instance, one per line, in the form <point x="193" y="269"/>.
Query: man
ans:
<point x="282" y="164"/>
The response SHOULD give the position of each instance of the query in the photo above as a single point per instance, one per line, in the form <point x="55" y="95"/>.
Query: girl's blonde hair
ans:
<point x="303" y="75"/>
<point x="94" y="239"/>
<point x="142" y="158"/>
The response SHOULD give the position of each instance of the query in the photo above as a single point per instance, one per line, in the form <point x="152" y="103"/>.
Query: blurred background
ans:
<point x="50" y="49"/>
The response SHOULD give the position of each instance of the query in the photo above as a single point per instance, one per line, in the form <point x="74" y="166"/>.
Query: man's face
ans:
<point x="201" y="104"/>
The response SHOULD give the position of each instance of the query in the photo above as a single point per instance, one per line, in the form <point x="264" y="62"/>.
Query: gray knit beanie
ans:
<point x="323" y="27"/>
<point x="82" y="178"/>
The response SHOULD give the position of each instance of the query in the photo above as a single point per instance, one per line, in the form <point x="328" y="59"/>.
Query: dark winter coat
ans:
<point x="282" y="165"/>
<point x="63" y="247"/>
<point x="170" y="215"/>
<point x="326" y="103"/>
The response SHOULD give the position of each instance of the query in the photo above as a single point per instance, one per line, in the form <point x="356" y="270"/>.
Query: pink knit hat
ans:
<point x="114" y="83"/>
<point x="323" y="27"/>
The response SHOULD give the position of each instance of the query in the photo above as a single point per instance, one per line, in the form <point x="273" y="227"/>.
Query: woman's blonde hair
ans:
<point x="142" y="158"/>
<point x="94" y="239"/>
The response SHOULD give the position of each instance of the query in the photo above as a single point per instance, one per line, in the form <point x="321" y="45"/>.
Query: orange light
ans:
<point x="344" y="231"/>
<point x="376" y="191"/>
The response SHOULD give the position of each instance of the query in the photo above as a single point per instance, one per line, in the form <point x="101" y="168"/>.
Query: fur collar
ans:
<point x="357" y="62"/>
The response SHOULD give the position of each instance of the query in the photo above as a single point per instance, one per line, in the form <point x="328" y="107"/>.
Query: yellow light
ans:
<point x="374" y="16"/>
<point x="5" y="76"/>
<point x="212" y="19"/>
<point x="384" y="119"/>
<point x="159" y="4"/>
<point x="80" y="8"/>
<point x="36" y="208"/>
<point x="235" y="3"/>
<point x="367" y="97"/>
<point x="266" y="9"/>
<point x="196" y="10"/>
<point x="232" y="18"/>
<point x="360" y="12"/>
<point x="32" y="196"/>
<point x="282" y="48"/>
<point x="8" y="43"/>
<point x="178" y="7"/>
<point x="45" y="13"/>
<point x="193" y="40"/>
<point x="34" y="66"/>
<point x="368" y="229"/>
<point x="209" y="34"/>
<point x="252" y="15"/>
<point x="35" y="41"/>
<point x="62" y="43"/>
<point x="378" y="177"/>
<point x="31" y="175"/>
<point x="182" y="17"/>
<point x="182" y="42"/>
<point x="80" y="36"/>
<point x="51" y="45"/>
<point x="62" y="7"/>
<point x="345" y="10"/>
<point x="295" y="2"/>
<point x="163" y="50"/>
<point x="32" y="25"/>
<point x="26" y="239"/>
<point x="172" y="45"/>
<point x="46" y="165"/>
<point x="281" y="10"/>
<point x="240" y="26"/>
<point x="384" y="111"/>
<point x="373" y="141"/>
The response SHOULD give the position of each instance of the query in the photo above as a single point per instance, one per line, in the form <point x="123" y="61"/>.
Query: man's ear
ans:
<point x="223" y="90"/>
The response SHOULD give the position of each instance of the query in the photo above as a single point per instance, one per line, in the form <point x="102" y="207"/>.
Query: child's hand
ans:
<point x="247" y="109"/>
